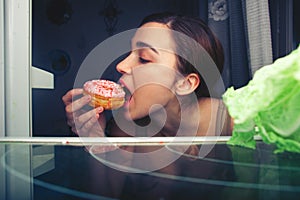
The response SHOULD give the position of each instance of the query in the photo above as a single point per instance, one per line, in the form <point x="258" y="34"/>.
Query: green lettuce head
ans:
<point x="268" y="106"/>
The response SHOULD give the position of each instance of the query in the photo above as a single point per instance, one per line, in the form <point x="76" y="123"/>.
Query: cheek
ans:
<point x="153" y="93"/>
<point x="147" y="96"/>
<point x="152" y="74"/>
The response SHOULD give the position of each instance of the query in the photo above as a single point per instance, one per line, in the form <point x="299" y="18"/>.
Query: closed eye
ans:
<point x="143" y="61"/>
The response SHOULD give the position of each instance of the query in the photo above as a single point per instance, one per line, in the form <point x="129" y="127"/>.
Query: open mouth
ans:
<point x="128" y="94"/>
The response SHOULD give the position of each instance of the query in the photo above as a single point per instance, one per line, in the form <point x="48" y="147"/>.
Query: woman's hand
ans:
<point x="84" y="122"/>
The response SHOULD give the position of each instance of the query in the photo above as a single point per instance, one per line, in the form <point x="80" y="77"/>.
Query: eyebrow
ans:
<point x="143" y="45"/>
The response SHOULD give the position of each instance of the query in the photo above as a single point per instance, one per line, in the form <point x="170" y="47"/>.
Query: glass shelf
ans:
<point x="66" y="168"/>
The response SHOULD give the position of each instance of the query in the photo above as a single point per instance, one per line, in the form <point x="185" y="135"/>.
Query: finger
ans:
<point x="71" y="115"/>
<point x="70" y="119"/>
<point x="78" y="104"/>
<point x="97" y="130"/>
<point x="86" y="117"/>
<point x="75" y="118"/>
<point x="71" y="122"/>
<point x="74" y="130"/>
<point x="91" y="127"/>
<point x="67" y="98"/>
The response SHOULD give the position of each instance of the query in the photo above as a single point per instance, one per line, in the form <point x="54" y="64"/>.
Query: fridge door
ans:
<point x="2" y="104"/>
<point x="18" y="76"/>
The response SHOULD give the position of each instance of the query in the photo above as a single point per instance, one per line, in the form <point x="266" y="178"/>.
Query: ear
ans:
<point x="187" y="85"/>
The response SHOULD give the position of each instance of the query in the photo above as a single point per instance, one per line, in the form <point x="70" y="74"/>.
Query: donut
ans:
<point x="105" y="93"/>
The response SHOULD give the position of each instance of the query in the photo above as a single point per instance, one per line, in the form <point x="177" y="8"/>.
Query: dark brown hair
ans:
<point x="197" y="30"/>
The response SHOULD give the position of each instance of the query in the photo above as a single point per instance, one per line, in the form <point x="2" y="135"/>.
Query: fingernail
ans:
<point x="99" y="109"/>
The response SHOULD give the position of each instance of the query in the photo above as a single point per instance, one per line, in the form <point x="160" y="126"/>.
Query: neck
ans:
<point x="197" y="119"/>
<point x="181" y="120"/>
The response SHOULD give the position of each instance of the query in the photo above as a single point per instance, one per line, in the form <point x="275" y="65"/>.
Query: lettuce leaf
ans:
<point x="268" y="106"/>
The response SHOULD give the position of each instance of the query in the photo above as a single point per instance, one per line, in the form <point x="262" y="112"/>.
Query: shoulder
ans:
<point x="224" y="120"/>
<point x="220" y="121"/>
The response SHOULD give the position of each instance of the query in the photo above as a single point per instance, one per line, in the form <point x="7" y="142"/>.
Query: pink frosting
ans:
<point x="104" y="88"/>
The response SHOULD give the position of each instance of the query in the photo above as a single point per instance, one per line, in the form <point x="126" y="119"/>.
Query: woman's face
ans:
<point x="149" y="72"/>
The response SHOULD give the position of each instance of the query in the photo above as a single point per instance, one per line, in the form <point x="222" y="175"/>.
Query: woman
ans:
<point x="168" y="84"/>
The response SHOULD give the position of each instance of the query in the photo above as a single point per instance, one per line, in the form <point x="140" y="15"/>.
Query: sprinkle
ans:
<point x="104" y="88"/>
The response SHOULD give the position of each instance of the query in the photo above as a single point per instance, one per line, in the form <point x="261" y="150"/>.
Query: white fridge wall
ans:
<point x="2" y="104"/>
<point x="17" y="75"/>
<point x="17" y="67"/>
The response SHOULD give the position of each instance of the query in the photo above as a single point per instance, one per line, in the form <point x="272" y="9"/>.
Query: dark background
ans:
<point x="65" y="31"/>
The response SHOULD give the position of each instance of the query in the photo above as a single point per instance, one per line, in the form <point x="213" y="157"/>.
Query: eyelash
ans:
<point x="143" y="61"/>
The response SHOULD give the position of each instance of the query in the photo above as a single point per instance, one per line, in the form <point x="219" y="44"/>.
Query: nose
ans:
<point x="125" y="66"/>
